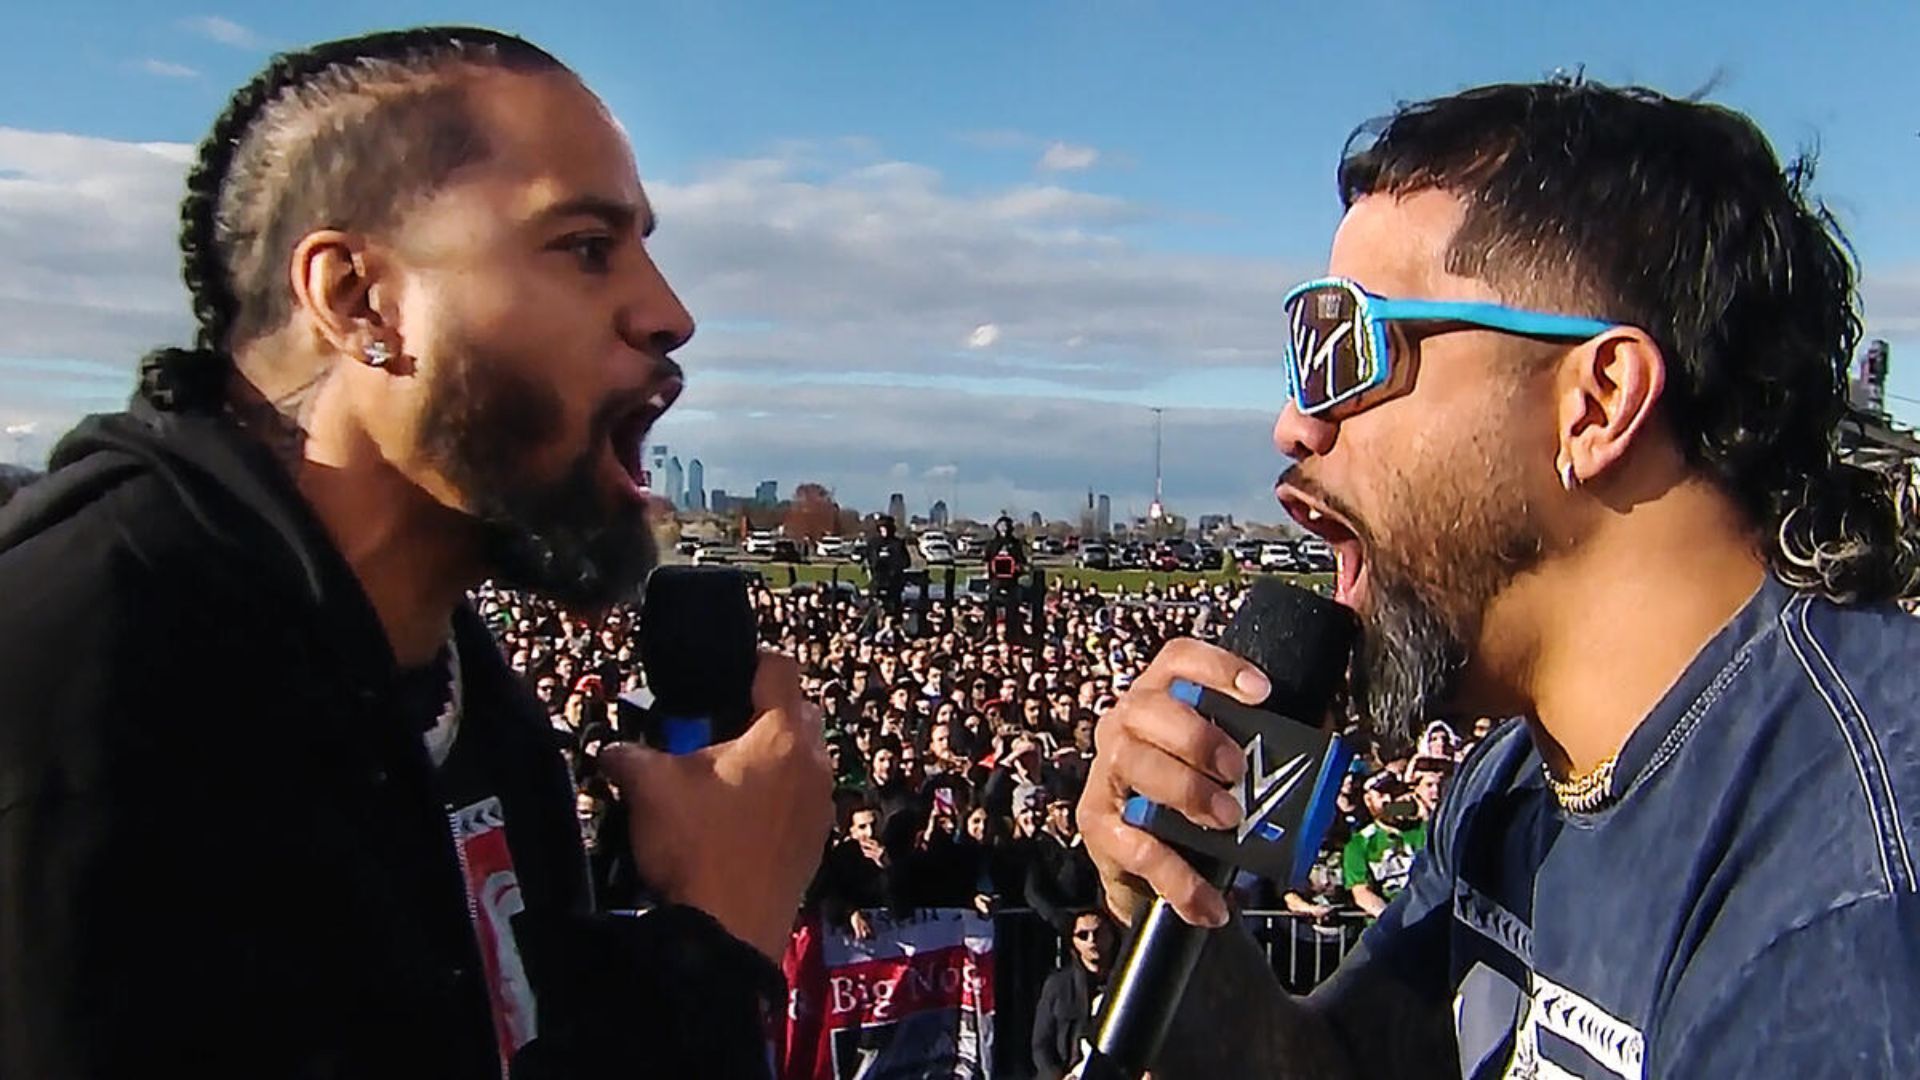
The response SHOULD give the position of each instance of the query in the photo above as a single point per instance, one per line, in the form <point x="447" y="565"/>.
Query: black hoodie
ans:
<point x="224" y="851"/>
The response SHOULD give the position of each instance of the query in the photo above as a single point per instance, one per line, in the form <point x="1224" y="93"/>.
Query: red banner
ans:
<point x="915" y="1000"/>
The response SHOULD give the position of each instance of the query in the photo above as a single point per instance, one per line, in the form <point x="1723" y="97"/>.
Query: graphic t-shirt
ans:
<point x="1381" y="856"/>
<point x="477" y="826"/>
<point x="1763" y="827"/>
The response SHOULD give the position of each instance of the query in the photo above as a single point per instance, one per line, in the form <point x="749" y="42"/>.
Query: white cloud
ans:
<point x="998" y="139"/>
<point x="91" y="269"/>
<point x="225" y="31"/>
<point x="1068" y="157"/>
<point x="866" y="269"/>
<point x="167" y="69"/>
<point x="829" y="279"/>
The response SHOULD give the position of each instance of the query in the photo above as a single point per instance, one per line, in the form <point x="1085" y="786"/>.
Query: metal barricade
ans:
<point x="1302" y="951"/>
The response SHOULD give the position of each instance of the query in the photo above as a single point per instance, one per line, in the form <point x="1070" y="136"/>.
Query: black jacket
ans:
<point x="1062" y="1020"/>
<point x="887" y="561"/>
<point x="223" y="852"/>
<point x="1061" y="881"/>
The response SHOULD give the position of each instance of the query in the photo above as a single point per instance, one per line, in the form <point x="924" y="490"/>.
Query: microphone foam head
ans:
<point x="1301" y="640"/>
<point x="698" y="636"/>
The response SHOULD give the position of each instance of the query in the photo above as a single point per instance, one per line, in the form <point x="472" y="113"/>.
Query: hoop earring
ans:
<point x="379" y="355"/>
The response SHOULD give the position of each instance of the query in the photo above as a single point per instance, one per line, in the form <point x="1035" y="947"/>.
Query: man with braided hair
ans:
<point x="272" y="802"/>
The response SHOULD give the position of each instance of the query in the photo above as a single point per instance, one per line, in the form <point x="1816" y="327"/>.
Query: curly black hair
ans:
<point x="339" y="135"/>
<point x="1677" y="217"/>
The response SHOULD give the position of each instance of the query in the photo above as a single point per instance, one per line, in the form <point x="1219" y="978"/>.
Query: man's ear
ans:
<point x="334" y="276"/>
<point x="1605" y="394"/>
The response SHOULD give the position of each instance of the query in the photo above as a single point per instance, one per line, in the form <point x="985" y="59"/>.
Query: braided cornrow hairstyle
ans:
<point x="338" y="135"/>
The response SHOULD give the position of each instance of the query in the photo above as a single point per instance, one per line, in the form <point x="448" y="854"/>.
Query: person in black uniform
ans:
<point x="1006" y="559"/>
<point x="274" y="802"/>
<point x="887" y="565"/>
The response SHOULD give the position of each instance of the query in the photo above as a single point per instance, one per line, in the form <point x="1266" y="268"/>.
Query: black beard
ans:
<point x="1424" y="608"/>
<point x="538" y="539"/>
<point x="480" y="423"/>
<point x="1410" y="659"/>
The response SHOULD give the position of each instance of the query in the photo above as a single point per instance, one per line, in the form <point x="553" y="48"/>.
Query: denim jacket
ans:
<point x="1743" y="907"/>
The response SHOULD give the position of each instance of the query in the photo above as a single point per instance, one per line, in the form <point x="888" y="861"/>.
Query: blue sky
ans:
<point x="1005" y="228"/>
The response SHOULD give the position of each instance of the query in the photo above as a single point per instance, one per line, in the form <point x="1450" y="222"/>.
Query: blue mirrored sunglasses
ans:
<point x="1338" y="347"/>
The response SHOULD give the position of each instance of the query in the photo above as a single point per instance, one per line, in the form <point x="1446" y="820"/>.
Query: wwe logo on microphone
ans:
<point x="1262" y="791"/>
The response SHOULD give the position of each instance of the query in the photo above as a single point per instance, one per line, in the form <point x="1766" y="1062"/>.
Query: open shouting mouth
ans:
<point x="633" y="419"/>
<point x="1315" y="514"/>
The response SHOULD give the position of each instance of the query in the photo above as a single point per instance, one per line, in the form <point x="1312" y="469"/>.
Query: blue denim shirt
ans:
<point x="1745" y="908"/>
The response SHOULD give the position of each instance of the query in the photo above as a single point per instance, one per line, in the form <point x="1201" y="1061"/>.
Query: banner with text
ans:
<point x="915" y="1000"/>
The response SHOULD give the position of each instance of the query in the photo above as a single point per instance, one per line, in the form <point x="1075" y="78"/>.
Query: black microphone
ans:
<point x="1302" y="642"/>
<point x="699" y="646"/>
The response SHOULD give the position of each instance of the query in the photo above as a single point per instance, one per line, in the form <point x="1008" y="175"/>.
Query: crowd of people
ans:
<point x="961" y="743"/>
<point x="962" y="733"/>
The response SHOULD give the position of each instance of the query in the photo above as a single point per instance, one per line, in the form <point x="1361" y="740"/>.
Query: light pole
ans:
<point x="1158" y="509"/>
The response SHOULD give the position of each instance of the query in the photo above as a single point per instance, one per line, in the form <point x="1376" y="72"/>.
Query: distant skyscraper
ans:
<point x="676" y="480"/>
<point x="897" y="509"/>
<point x="1103" y="517"/>
<point x="656" y="477"/>
<point x="768" y="493"/>
<point x="696" y="485"/>
<point x="1036" y="522"/>
<point x="938" y="515"/>
<point x="720" y="502"/>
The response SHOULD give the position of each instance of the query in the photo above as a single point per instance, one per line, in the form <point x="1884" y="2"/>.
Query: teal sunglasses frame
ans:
<point x="1375" y="312"/>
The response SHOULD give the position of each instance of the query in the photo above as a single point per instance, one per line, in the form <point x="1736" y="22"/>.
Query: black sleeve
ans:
<point x="107" y="964"/>
<point x="1047" y="1064"/>
<point x="1044" y="893"/>
<point x="665" y="993"/>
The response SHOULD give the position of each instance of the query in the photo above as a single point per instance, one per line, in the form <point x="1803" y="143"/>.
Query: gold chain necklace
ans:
<point x="1583" y="794"/>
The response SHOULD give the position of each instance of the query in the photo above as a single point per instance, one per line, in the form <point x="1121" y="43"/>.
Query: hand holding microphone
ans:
<point x="1217" y="759"/>
<point x="1159" y="747"/>
<point x="731" y="812"/>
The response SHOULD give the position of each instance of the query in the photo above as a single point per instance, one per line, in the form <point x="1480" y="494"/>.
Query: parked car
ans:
<point x="1246" y="552"/>
<point x="686" y="547"/>
<point x="1278" y="555"/>
<point x="967" y="545"/>
<point x="832" y="547"/>
<point x="785" y="551"/>
<point x="935" y="549"/>
<point x="1208" y="557"/>
<point x="1050" y="545"/>
<point x="1186" y="553"/>
<point x="1316" y="556"/>
<point x="712" y="555"/>
<point x="1093" y="555"/>
<point x="759" y="542"/>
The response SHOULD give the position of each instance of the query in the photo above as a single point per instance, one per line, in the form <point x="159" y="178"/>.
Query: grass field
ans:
<point x="780" y="575"/>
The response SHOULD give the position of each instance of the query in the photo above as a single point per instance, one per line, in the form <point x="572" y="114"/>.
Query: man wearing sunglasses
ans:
<point x="1565" y="406"/>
